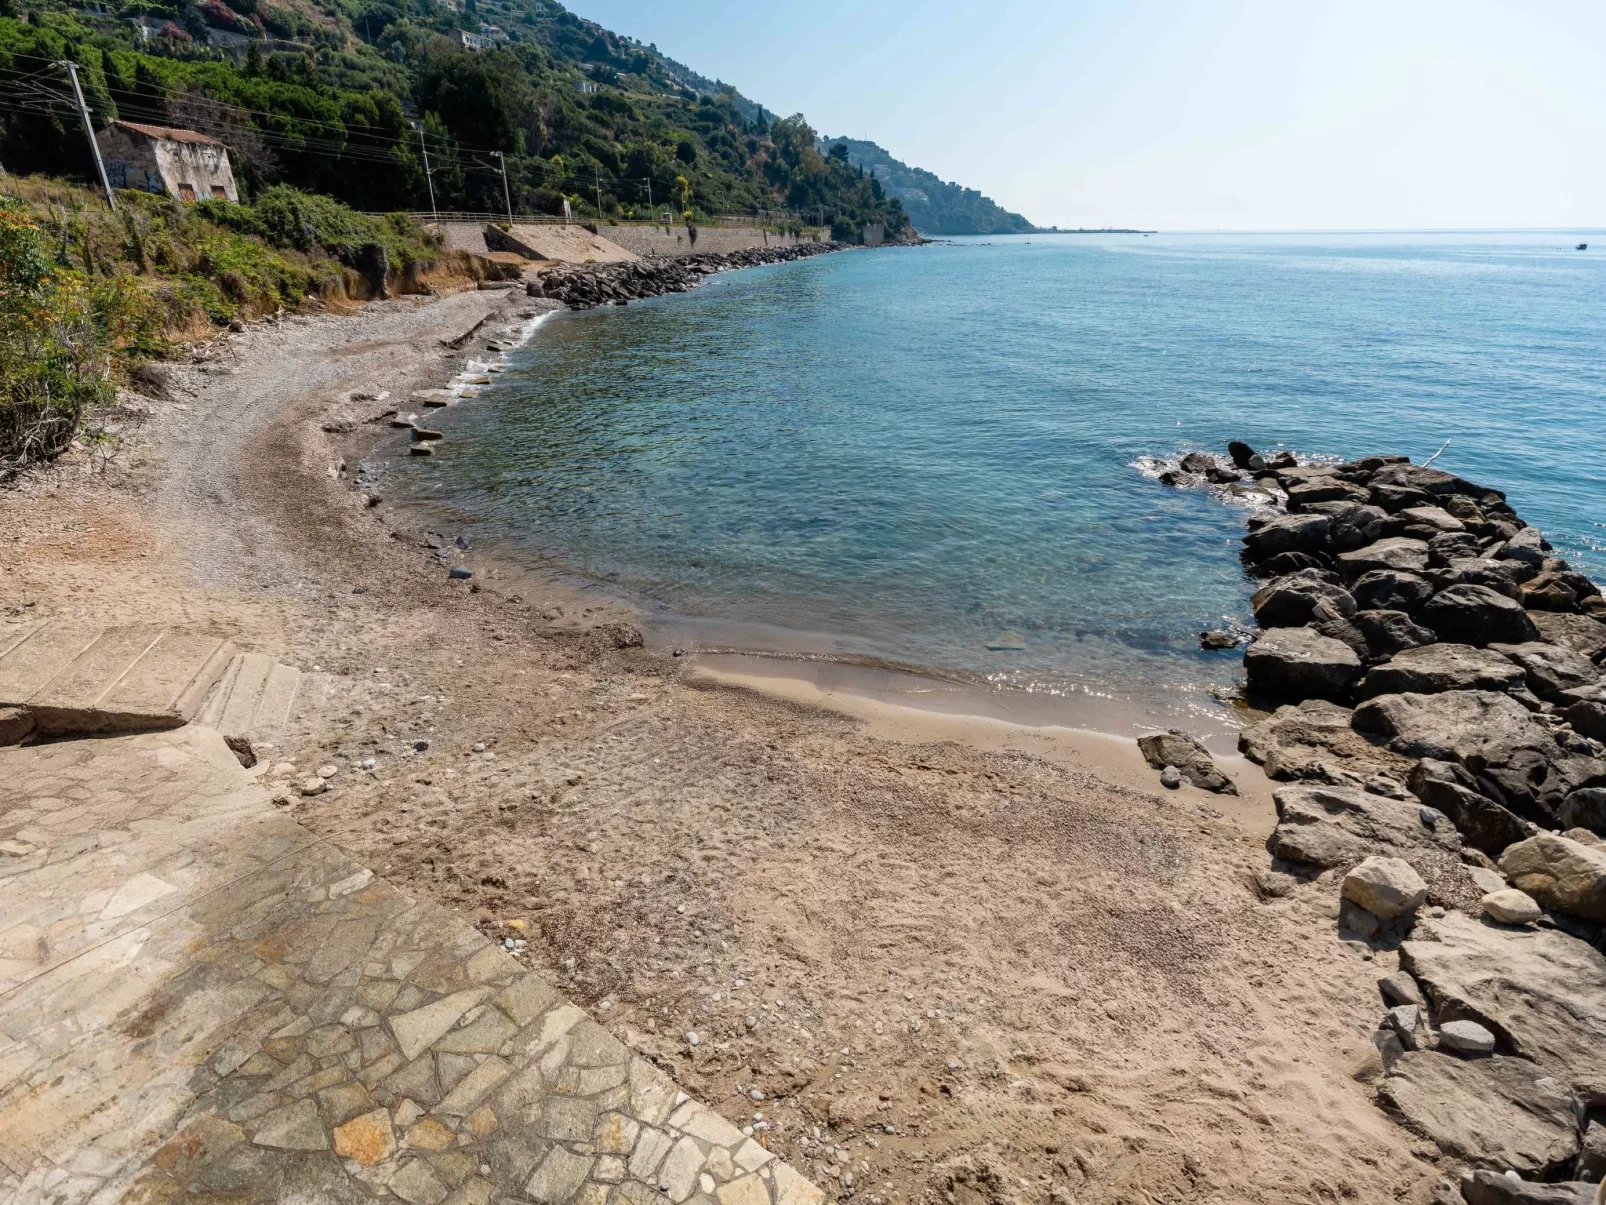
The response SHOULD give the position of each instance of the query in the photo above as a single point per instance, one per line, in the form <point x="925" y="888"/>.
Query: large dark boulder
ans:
<point x="1550" y="591"/>
<point x="1314" y="740"/>
<point x="1299" y="663"/>
<point x="1287" y="533"/>
<point x="1399" y="553"/>
<point x="1496" y="1113"/>
<point x="1449" y="727"/>
<point x="1390" y="590"/>
<point x="1542" y="993"/>
<point x="1532" y="776"/>
<point x="1450" y="546"/>
<point x="1436" y="668"/>
<point x="1528" y="546"/>
<point x="1192" y="760"/>
<point x="1430" y="521"/>
<point x="1584" y="808"/>
<point x="1289" y="602"/>
<point x="1323" y="489"/>
<point x="1485" y="1187"/>
<point x="1338" y="826"/>
<point x="1243" y="455"/>
<point x="1478" y="616"/>
<point x="1357" y="526"/>
<point x="1587" y="716"/>
<point x="1578" y="632"/>
<point x="1428" y="480"/>
<point x="1502" y="577"/>
<point x="1389" y="632"/>
<point x="1551" y="669"/>
<point x="1395" y="498"/>
<point x="1483" y="824"/>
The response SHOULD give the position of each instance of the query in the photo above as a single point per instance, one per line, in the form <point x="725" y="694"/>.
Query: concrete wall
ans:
<point x="657" y="240"/>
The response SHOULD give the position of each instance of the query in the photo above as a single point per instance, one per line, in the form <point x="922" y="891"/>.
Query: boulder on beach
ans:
<point x="1498" y="1113"/>
<point x="1401" y="554"/>
<point x="1550" y="670"/>
<point x="1483" y="823"/>
<point x="1485" y="1187"/>
<point x="1191" y="759"/>
<point x="1561" y="874"/>
<point x="1540" y="991"/>
<point x="1584" y="808"/>
<point x="1290" y="602"/>
<point x="1477" y="615"/>
<point x="1299" y="663"/>
<point x="1390" y="590"/>
<point x="1389" y="632"/>
<point x="1288" y="533"/>
<point x="1387" y="887"/>
<point x="1449" y="726"/>
<point x="1338" y="826"/>
<point x="1311" y="739"/>
<point x="1509" y="906"/>
<point x="1448" y="546"/>
<point x="1436" y="668"/>
<point x="1580" y="633"/>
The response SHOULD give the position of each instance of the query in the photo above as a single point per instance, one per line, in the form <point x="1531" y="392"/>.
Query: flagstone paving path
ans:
<point x="200" y="1001"/>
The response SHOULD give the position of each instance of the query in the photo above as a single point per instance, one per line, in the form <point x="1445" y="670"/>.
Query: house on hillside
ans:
<point x="471" y="41"/>
<point x="180" y="163"/>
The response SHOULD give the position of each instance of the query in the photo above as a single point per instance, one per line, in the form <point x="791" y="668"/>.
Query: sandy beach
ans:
<point x="940" y="956"/>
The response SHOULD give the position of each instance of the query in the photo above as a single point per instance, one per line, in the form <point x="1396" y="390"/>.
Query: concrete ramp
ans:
<point x="564" y="244"/>
<point x="254" y="699"/>
<point x="81" y="679"/>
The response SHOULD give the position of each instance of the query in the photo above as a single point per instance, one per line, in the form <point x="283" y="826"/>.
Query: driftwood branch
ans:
<point x="458" y="342"/>
<point x="1435" y="455"/>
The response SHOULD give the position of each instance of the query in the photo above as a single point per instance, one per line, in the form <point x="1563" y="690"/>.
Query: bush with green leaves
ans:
<point x="57" y="330"/>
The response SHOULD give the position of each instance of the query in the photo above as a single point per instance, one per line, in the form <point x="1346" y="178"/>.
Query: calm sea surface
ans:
<point x="905" y="452"/>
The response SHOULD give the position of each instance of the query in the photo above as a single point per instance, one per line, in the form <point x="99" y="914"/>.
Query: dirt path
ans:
<point x="923" y="970"/>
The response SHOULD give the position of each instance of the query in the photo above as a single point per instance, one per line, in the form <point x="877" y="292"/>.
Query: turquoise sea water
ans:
<point x="902" y="452"/>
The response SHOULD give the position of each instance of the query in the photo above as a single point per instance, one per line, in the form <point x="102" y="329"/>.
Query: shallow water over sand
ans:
<point x="903" y="453"/>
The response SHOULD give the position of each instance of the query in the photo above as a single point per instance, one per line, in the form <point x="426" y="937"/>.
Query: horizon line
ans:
<point x="1590" y="230"/>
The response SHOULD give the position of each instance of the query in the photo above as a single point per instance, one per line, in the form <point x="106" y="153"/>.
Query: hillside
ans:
<point x="934" y="206"/>
<point x="344" y="97"/>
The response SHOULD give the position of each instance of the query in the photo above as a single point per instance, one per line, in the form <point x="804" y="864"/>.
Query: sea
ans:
<point x="945" y="457"/>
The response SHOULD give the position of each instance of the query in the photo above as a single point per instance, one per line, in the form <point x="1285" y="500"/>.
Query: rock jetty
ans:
<point x="582" y="287"/>
<point x="1434" y="679"/>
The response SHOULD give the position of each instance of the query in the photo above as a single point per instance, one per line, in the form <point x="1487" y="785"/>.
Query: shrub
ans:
<point x="56" y="334"/>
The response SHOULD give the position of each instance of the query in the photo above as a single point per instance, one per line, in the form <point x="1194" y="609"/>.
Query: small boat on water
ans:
<point x="1583" y="246"/>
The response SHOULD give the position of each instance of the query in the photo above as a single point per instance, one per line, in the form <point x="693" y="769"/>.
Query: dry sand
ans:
<point x="958" y="959"/>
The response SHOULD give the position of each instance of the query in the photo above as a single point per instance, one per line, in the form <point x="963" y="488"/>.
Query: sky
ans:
<point x="1191" y="114"/>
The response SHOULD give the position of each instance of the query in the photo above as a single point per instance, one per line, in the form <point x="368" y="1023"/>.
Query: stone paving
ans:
<point x="202" y="1002"/>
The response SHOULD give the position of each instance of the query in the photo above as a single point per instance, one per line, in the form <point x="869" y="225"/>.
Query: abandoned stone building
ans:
<point x="159" y="159"/>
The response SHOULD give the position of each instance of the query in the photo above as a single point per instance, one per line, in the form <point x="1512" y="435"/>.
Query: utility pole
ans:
<point x="650" y="213"/>
<point x="596" y="178"/>
<point x="502" y="159"/>
<point x="89" y="130"/>
<point x="429" y="178"/>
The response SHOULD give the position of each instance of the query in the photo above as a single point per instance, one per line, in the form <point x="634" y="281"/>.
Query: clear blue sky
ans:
<point x="1191" y="114"/>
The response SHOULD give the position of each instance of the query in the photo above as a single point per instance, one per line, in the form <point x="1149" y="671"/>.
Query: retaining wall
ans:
<point x="673" y="240"/>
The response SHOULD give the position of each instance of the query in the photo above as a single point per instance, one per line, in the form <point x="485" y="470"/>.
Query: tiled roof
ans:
<point x="167" y="133"/>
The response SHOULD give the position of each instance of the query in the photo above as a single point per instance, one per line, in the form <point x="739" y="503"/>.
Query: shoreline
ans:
<point x="1080" y="706"/>
<point x="941" y="962"/>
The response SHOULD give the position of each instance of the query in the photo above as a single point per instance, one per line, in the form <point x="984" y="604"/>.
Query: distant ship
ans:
<point x="1583" y="246"/>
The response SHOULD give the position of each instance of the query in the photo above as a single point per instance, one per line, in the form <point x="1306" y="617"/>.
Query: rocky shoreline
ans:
<point x="1436" y="675"/>
<point x="585" y="286"/>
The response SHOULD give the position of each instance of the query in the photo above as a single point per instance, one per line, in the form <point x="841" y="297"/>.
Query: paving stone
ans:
<point x="747" y="1190"/>
<point x="560" y="1174"/>
<point x="473" y="1086"/>
<point x="415" y="1031"/>
<point x="649" y="1154"/>
<point x="417" y="1184"/>
<point x="678" y="1176"/>
<point x="750" y="1156"/>
<point x="368" y="1139"/>
<point x="294" y="1127"/>
<point x="615" y="1134"/>
<point x="430" y="1135"/>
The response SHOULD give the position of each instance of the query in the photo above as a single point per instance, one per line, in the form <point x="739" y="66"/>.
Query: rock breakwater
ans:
<point x="583" y="287"/>
<point x="1433" y="674"/>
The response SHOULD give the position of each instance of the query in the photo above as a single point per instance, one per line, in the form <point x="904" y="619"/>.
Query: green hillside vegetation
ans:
<point x="934" y="206"/>
<point x="86" y="294"/>
<point x="323" y="97"/>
